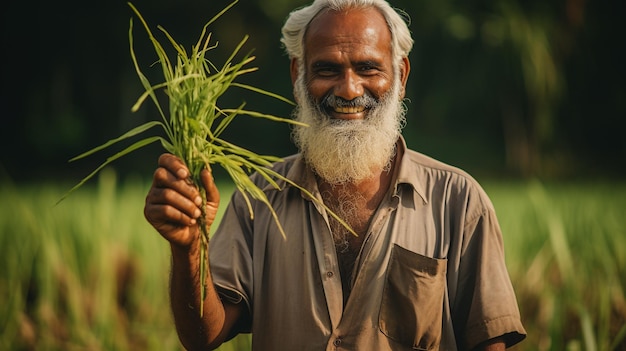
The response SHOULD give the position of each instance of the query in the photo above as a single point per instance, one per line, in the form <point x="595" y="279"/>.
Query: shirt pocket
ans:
<point x="412" y="300"/>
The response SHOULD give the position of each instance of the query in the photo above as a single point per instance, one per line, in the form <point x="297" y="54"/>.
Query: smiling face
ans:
<point x="349" y="93"/>
<point x="348" y="56"/>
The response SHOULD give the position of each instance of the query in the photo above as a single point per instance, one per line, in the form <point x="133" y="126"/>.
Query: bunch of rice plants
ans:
<point x="193" y="126"/>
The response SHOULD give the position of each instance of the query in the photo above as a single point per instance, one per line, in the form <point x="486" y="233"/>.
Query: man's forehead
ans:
<point x="333" y="23"/>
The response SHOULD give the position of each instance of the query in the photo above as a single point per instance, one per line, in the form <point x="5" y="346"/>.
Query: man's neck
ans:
<point x="369" y="193"/>
<point x="371" y="188"/>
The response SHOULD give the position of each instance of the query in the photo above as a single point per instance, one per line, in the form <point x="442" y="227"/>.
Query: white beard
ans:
<point x="348" y="151"/>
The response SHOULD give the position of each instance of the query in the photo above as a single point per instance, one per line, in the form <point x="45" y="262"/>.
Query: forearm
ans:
<point x="194" y="331"/>
<point x="496" y="344"/>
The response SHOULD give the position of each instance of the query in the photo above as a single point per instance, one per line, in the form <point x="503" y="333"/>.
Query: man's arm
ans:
<point x="194" y="331"/>
<point x="172" y="208"/>
<point x="496" y="344"/>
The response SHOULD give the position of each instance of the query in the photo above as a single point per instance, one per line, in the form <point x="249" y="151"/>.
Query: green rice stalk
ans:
<point x="194" y="123"/>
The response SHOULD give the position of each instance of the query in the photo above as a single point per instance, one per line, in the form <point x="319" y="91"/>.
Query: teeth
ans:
<point x="349" y="109"/>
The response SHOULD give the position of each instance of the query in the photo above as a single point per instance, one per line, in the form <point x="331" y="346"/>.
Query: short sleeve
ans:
<point x="230" y="257"/>
<point x="486" y="305"/>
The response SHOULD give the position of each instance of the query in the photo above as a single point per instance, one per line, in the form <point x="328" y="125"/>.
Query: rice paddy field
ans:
<point x="91" y="274"/>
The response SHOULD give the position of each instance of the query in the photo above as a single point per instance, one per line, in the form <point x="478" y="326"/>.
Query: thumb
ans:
<point x="212" y="194"/>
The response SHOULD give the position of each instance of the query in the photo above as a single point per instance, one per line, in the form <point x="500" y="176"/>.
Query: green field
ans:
<point x="91" y="274"/>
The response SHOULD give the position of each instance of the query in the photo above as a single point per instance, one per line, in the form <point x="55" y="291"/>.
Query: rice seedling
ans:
<point x="194" y="122"/>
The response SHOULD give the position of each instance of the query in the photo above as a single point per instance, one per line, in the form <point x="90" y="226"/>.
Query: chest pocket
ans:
<point x="412" y="303"/>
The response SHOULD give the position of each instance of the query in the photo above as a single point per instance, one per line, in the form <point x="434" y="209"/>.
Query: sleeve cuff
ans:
<point x="508" y="327"/>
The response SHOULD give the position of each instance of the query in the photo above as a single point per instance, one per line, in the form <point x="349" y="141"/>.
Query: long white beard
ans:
<point x="348" y="151"/>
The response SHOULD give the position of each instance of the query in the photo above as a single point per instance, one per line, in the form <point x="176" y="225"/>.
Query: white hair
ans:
<point x="298" y="20"/>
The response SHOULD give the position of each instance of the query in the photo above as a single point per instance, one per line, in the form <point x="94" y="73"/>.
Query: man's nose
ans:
<point x="350" y="86"/>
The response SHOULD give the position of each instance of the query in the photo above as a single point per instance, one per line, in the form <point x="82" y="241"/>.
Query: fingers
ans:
<point x="169" y="205"/>
<point x="208" y="182"/>
<point x="165" y="180"/>
<point x="174" y="165"/>
<point x="212" y="196"/>
<point x="167" y="221"/>
<point x="172" y="198"/>
<point x="173" y="201"/>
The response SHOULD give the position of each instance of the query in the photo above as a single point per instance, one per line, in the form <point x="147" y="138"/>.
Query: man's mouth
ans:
<point x="349" y="109"/>
<point x="337" y="107"/>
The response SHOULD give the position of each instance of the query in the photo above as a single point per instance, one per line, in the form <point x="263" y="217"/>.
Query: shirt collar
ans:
<point x="302" y="175"/>
<point x="407" y="172"/>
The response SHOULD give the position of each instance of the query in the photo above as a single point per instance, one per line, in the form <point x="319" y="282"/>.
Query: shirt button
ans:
<point x="329" y="274"/>
<point x="337" y="342"/>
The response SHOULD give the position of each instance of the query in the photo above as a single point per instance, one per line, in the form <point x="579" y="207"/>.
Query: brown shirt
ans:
<point x="430" y="275"/>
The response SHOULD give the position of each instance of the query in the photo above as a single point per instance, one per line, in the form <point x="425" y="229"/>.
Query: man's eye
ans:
<point x="368" y="69"/>
<point x="326" y="72"/>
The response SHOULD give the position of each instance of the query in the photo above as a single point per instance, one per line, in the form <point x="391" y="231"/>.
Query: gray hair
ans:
<point x="297" y="22"/>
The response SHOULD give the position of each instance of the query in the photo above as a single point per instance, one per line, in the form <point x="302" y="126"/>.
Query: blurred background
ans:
<point x="526" y="95"/>
<point x="498" y="87"/>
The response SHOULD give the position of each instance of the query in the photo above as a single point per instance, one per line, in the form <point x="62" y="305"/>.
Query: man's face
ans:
<point x="349" y="92"/>
<point x="348" y="55"/>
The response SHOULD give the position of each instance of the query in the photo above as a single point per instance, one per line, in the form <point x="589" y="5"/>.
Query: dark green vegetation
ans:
<point x="497" y="86"/>
<point x="90" y="273"/>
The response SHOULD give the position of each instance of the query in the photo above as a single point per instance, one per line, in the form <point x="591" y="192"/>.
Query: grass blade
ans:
<point x="135" y="131"/>
<point x="263" y="92"/>
<point x="126" y="151"/>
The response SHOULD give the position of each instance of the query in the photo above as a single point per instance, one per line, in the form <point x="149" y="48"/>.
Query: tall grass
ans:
<point x="566" y="253"/>
<point x="92" y="274"/>
<point x="87" y="274"/>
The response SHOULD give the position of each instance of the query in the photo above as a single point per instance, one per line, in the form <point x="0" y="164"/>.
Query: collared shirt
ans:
<point x="430" y="274"/>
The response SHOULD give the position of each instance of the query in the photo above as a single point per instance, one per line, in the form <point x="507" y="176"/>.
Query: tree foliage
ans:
<point x="524" y="88"/>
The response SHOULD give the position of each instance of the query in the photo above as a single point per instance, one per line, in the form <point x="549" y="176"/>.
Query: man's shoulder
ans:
<point x="430" y="177"/>
<point x="284" y="165"/>
<point x="429" y="164"/>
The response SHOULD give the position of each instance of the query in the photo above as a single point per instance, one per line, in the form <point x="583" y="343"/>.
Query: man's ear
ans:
<point x="293" y="68"/>
<point x="405" y="68"/>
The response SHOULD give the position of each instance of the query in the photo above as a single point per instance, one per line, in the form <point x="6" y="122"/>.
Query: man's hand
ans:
<point x="173" y="203"/>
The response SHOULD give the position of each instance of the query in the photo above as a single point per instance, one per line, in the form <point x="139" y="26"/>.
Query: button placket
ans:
<point x="337" y="342"/>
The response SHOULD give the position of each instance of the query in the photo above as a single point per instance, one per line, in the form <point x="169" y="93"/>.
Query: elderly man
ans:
<point x="426" y="270"/>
